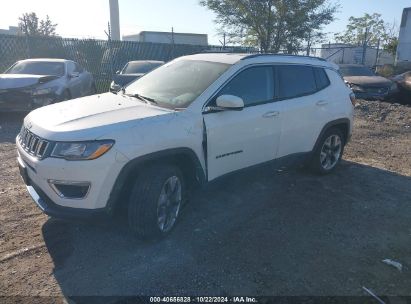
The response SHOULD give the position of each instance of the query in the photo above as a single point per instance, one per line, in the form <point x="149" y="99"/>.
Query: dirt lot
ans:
<point x="266" y="232"/>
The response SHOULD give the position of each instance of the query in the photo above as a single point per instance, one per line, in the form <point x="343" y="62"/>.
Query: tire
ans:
<point x="328" y="152"/>
<point x="149" y="202"/>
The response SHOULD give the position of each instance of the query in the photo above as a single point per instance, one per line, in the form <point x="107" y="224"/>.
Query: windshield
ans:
<point x="177" y="84"/>
<point x="37" y="68"/>
<point x="356" y="71"/>
<point x="140" y="67"/>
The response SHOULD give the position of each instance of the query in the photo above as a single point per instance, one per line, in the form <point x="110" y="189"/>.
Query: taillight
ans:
<point x="353" y="99"/>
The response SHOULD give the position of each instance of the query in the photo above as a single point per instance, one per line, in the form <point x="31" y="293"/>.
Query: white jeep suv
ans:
<point x="188" y="122"/>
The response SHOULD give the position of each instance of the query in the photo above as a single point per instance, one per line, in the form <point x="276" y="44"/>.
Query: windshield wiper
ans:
<point x="143" y="98"/>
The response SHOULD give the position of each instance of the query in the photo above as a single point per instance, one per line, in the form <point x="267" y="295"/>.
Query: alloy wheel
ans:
<point x="330" y="152"/>
<point x="169" y="203"/>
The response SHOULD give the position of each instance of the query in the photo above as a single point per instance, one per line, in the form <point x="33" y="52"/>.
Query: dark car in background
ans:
<point x="366" y="84"/>
<point x="32" y="83"/>
<point x="132" y="71"/>
<point x="404" y="84"/>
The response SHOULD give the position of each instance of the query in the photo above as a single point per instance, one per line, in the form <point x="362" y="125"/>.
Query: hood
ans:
<point x="123" y="79"/>
<point x="369" y="81"/>
<point x="15" y="81"/>
<point x="89" y="117"/>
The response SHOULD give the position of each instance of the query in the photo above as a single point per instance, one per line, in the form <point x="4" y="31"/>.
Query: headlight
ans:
<point x="85" y="150"/>
<point x="44" y="91"/>
<point x="115" y="86"/>
<point x="357" y="88"/>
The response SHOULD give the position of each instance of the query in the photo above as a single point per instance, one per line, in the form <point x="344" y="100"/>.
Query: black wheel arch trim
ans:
<point x="163" y="155"/>
<point x="331" y="124"/>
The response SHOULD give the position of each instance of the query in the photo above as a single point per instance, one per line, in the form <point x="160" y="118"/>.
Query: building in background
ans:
<point x="341" y="53"/>
<point x="168" y="37"/>
<point x="404" y="40"/>
<point x="13" y="30"/>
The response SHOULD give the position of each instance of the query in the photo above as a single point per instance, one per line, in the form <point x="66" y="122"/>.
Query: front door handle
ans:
<point x="271" y="114"/>
<point x="321" y="103"/>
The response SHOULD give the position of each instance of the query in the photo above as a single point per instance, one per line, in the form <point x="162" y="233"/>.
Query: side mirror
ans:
<point x="117" y="72"/>
<point x="74" y="75"/>
<point x="230" y="102"/>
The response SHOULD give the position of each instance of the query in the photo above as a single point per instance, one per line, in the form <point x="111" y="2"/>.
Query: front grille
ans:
<point x="33" y="144"/>
<point x="376" y="90"/>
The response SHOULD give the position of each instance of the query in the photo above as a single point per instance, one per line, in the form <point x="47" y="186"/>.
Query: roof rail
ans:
<point x="282" y="55"/>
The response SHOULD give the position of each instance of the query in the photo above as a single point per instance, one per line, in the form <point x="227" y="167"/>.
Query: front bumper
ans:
<point x="375" y="95"/>
<point x="21" y="102"/>
<point x="101" y="173"/>
<point x="52" y="209"/>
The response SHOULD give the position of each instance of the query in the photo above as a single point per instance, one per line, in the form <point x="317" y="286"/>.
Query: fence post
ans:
<point x="28" y="52"/>
<point x="378" y="53"/>
<point x="364" y="47"/>
<point x="343" y="56"/>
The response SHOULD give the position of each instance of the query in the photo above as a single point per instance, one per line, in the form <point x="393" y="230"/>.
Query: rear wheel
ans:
<point x="155" y="202"/>
<point x="329" y="151"/>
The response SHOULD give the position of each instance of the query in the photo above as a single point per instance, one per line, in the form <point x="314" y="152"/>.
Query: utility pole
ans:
<point x="108" y="33"/>
<point x="172" y="42"/>
<point x="364" y="47"/>
<point x="223" y="42"/>
<point x="378" y="53"/>
<point x="309" y="44"/>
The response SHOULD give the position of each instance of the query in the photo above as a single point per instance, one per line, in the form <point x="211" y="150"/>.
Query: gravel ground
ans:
<point x="261" y="232"/>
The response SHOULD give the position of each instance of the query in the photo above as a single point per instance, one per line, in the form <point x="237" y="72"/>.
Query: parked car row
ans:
<point x="32" y="83"/>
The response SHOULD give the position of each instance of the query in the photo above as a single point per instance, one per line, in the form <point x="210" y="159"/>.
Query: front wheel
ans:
<point x="328" y="152"/>
<point x="155" y="202"/>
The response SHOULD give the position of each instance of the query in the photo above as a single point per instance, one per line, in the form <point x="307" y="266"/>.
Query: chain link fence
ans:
<point x="100" y="57"/>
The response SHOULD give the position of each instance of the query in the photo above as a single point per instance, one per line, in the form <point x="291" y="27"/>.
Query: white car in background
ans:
<point x="188" y="122"/>
<point x="32" y="83"/>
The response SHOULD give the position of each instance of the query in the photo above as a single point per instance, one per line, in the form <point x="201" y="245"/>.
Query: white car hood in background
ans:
<point x="13" y="81"/>
<point x="89" y="117"/>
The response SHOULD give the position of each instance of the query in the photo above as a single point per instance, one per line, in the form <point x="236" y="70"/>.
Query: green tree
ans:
<point x="31" y="25"/>
<point x="271" y="25"/>
<point x="369" y="29"/>
<point x="391" y="45"/>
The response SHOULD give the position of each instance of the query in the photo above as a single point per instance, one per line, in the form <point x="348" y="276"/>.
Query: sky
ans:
<point x="88" y="18"/>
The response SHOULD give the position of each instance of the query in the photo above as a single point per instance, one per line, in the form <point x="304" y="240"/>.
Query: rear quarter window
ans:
<point x="295" y="81"/>
<point x="321" y="78"/>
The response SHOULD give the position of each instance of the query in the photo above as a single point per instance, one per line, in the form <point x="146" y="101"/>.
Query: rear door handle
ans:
<point x="321" y="103"/>
<point x="271" y="114"/>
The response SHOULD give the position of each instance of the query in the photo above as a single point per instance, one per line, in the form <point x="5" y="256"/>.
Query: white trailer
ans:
<point x="404" y="40"/>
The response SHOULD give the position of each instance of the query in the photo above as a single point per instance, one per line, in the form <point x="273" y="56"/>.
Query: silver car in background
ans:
<point x="32" y="83"/>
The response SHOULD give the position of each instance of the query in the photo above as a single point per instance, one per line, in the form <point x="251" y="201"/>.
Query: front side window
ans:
<point x="177" y="84"/>
<point x="37" y="68"/>
<point x="71" y="68"/>
<point x="295" y="80"/>
<point x="78" y="68"/>
<point x="254" y="85"/>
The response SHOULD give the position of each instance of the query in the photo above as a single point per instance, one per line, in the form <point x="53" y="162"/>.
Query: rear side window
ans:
<point x="295" y="80"/>
<point x="254" y="85"/>
<point x="321" y="78"/>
